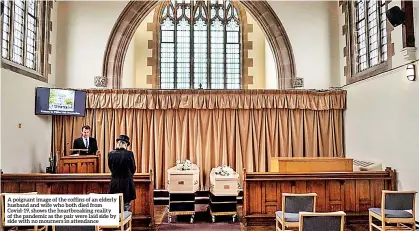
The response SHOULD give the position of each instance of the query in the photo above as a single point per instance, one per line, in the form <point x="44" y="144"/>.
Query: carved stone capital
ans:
<point x="101" y="81"/>
<point x="297" y="82"/>
<point x="409" y="54"/>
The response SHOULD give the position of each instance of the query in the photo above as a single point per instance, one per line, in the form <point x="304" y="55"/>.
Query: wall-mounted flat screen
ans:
<point x="56" y="101"/>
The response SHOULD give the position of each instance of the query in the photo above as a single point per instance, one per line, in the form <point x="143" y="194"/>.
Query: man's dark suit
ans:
<point x="122" y="165"/>
<point x="79" y="144"/>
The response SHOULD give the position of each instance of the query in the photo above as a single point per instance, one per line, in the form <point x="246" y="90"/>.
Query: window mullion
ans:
<point x="225" y="43"/>
<point x="378" y="18"/>
<point x="1" y="27"/>
<point x="25" y="34"/>
<point x="351" y="20"/>
<point x="367" y="34"/>
<point x="209" y="45"/>
<point x="41" y="50"/>
<point x="191" y="46"/>
<point x="12" y="29"/>
<point x="175" y="45"/>
<point x="241" y="62"/>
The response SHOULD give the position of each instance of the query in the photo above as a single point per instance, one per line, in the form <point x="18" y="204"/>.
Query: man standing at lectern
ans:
<point x="121" y="162"/>
<point x="85" y="142"/>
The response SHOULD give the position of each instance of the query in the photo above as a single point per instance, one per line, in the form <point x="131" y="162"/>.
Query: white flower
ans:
<point x="183" y="165"/>
<point x="224" y="170"/>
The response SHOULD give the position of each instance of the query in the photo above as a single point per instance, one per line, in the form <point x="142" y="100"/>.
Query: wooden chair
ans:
<point x="125" y="218"/>
<point x="398" y="208"/>
<point x="16" y="227"/>
<point x="332" y="221"/>
<point x="292" y="205"/>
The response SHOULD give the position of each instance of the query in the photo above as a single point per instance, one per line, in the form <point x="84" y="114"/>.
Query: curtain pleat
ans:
<point x="243" y="130"/>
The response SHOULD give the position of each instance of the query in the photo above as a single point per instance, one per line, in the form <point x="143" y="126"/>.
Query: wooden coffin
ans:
<point x="183" y="181"/>
<point x="224" y="185"/>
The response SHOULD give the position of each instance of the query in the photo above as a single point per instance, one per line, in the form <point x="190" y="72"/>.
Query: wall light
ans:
<point x="410" y="72"/>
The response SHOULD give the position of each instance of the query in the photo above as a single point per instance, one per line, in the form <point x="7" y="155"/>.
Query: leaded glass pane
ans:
<point x="31" y="34"/>
<point x="167" y="53"/>
<point x="200" y="54"/>
<point x="194" y="47"/>
<point x="217" y="55"/>
<point x="6" y="29"/>
<point x="183" y="59"/>
<point x="383" y="29"/>
<point x="236" y="13"/>
<point x="233" y="55"/>
<point x="20" y="32"/>
<point x="371" y="34"/>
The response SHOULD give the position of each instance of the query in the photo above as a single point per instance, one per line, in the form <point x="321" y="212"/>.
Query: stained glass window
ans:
<point x="200" y="45"/>
<point x="20" y="32"/>
<point x="370" y="33"/>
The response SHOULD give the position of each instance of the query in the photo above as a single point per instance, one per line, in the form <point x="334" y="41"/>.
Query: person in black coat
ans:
<point x="121" y="162"/>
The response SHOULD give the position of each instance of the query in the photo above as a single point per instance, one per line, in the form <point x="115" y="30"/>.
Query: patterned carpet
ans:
<point x="202" y="222"/>
<point x="200" y="226"/>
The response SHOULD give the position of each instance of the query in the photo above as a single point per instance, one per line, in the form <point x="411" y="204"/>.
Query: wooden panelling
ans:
<point x="142" y="207"/>
<point x="352" y="192"/>
<point x="79" y="164"/>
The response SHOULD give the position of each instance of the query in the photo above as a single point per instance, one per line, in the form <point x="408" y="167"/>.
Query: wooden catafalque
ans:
<point x="183" y="182"/>
<point x="223" y="192"/>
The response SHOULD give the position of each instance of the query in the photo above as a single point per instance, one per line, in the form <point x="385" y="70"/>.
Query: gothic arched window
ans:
<point x="200" y="45"/>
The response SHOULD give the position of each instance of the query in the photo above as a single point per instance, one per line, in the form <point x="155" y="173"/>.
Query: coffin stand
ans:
<point x="223" y="195"/>
<point x="182" y="186"/>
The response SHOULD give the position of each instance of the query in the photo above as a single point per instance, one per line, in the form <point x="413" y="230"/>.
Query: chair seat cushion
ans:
<point x="127" y="214"/>
<point x="289" y="217"/>
<point x="392" y="213"/>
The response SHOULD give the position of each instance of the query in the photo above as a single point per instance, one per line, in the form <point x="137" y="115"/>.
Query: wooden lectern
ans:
<point x="78" y="163"/>
<point x="310" y="164"/>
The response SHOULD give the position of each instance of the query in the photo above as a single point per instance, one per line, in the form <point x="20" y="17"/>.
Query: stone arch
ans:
<point x="136" y="11"/>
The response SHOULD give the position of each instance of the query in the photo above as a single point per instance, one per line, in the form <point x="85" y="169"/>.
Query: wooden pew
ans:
<point x="352" y="192"/>
<point x="142" y="207"/>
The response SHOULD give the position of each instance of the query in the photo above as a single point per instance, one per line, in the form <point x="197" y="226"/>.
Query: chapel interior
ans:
<point x="308" y="107"/>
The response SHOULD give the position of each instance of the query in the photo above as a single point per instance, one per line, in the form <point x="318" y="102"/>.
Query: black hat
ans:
<point x="124" y="138"/>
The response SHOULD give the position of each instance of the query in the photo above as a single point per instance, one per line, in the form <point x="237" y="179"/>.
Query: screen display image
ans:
<point x="55" y="101"/>
<point x="61" y="100"/>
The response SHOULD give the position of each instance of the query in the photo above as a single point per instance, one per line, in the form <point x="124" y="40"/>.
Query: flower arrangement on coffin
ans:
<point x="183" y="165"/>
<point x="224" y="170"/>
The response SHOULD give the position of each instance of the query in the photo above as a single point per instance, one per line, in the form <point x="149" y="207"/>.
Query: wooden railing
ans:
<point x="142" y="208"/>
<point x="352" y="192"/>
